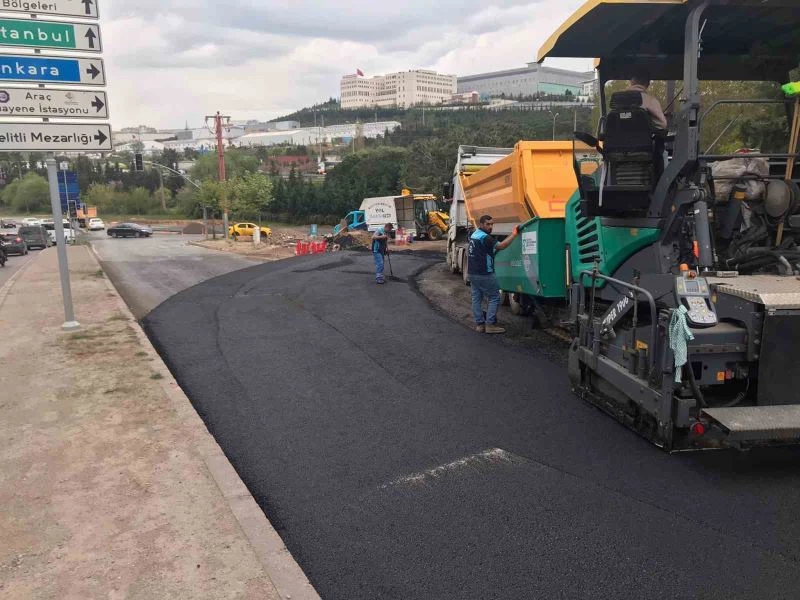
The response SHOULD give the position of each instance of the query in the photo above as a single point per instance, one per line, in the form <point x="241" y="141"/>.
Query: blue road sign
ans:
<point x="68" y="190"/>
<point x="52" y="69"/>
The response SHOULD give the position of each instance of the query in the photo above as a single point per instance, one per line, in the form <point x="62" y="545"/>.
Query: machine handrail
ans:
<point x="746" y="155"/>
<point x="650" y="300"/>
<point x="742" y="101"/>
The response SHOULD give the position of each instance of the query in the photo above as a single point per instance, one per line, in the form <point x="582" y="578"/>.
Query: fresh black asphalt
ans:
<point x="401" y="455"/>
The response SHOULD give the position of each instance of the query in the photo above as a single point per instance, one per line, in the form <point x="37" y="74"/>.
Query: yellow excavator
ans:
<point x="430" y="221"/>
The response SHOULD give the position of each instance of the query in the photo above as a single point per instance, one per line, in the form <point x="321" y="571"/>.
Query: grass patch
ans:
<point x="99" y="273"/>
<point x="156" y="376"/>
<point x="82" y="335"/>
<point x="117" y="318"/>
<point x="140" y="353"/>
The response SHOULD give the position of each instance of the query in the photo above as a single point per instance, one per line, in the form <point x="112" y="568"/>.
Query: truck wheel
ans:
<point x="464" y="274"/>
<point x="516" y="306"/>
<point x="451" y="263"/>
<point x="434" y="233"/>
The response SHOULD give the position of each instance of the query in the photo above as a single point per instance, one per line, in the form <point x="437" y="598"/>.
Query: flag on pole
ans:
<point x="359" y="72"/>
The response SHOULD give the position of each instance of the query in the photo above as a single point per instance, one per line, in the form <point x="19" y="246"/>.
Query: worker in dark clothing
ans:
<point x="480" y="267"/>
<point x="380" y="240"/>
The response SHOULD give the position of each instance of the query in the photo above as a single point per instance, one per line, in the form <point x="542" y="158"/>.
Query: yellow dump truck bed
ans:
<point x="536" y="179"/>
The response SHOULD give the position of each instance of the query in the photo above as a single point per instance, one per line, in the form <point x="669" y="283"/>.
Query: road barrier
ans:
<point x="303" y="248"/>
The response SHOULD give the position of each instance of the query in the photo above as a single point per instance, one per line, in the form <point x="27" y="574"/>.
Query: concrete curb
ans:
<point x="6" y="289"/>
<point x="279" y="565"/>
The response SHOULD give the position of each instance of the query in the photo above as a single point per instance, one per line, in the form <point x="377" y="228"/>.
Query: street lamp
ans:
<point x="555" y="116"/>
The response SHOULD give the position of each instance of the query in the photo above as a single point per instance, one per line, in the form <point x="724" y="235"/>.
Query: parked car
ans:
<point x="238" y="229"/>
<point x="6" y="224"/>
<point x="129" y="230"/>
<point x="35" y="236"/>
<point x="95" y="224"/>
<point x="31" y="221"/>
<point x="14" y="244"/>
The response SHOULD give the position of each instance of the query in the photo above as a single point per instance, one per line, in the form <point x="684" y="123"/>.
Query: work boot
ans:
<point x="494" y="328"/>
<point x="480" y="328"/>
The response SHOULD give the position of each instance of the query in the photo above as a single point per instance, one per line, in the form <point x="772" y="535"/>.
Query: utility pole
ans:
<point x="218" y="126"/>
<point x="163" y="198"/>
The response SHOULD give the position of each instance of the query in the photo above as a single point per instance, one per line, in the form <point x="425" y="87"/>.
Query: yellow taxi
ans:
<point x="238" y="229"/>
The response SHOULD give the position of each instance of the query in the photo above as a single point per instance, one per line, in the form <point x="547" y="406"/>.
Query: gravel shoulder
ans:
<point x="447" y="293"/>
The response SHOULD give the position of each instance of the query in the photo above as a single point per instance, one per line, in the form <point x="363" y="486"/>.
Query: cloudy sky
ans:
<point x="173" y="61"/>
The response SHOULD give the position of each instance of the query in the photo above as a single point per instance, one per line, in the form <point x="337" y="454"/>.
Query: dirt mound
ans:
<point x="194" y="228"/>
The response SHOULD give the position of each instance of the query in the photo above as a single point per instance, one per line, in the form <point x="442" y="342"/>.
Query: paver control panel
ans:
<point x="695" y="296"/>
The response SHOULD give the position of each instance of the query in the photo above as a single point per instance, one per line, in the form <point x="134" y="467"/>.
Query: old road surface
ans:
<point x="401" y="455"/>
<point x="148" y="271"/>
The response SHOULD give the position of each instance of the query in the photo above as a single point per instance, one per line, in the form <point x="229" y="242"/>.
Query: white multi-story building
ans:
<point x="403" y="89"/>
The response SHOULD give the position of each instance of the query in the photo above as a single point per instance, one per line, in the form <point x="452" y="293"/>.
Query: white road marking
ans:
<point x="494" y="456"/>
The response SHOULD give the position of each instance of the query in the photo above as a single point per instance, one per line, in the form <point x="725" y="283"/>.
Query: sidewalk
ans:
<point x="110" y="485"/>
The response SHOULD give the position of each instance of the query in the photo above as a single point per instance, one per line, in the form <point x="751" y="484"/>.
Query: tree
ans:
<point x="168" y="158"/>
<point x="250" y="194"/>
<point x="237" y="163"/>
<point x="140" y="201"/>
<point x="187" y="202"/>
<point x="29" y="194"/>
<point x="8" y="194"/>
<point x="105" y="197"/>
<point x="211" y="194"/>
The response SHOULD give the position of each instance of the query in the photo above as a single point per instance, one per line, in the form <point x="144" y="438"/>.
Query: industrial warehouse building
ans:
<point x="309" y="136"/>
<point x="533" y="80"/>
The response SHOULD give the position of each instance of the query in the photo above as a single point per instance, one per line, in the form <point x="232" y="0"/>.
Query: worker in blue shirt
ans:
<point x="480" y="267"/>
<point x="380" y="240"/>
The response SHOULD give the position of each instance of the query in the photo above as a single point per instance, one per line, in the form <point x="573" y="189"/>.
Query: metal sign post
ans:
<point x="70" y="323"/>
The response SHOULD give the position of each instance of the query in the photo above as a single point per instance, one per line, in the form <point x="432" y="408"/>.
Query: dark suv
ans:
<point x="13" y="243"/>
<point x="35" y="236"/>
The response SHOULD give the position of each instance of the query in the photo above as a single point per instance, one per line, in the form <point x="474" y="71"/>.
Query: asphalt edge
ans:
<point x="280" y="566"/>
<point x="254" y="258"/>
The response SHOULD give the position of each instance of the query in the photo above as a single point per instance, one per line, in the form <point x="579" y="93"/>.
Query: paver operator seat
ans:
<point x="632" y="151"/>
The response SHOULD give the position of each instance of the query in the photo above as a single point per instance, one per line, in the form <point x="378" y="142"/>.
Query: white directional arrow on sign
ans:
<point x="53" y="103"/>
<point x="86" y="9"/>
<point x="54" y="137"/>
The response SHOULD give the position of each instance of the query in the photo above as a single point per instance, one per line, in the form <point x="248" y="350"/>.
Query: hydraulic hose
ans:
<point x="701" y="400"/>
<point x="698" y="395"/>
<point x="755" y="260"/>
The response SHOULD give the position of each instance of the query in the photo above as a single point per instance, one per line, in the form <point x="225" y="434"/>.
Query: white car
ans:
<point x="69" y="233"/>
<point x="31" y="221"/>
<point x="96" y="224"/>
